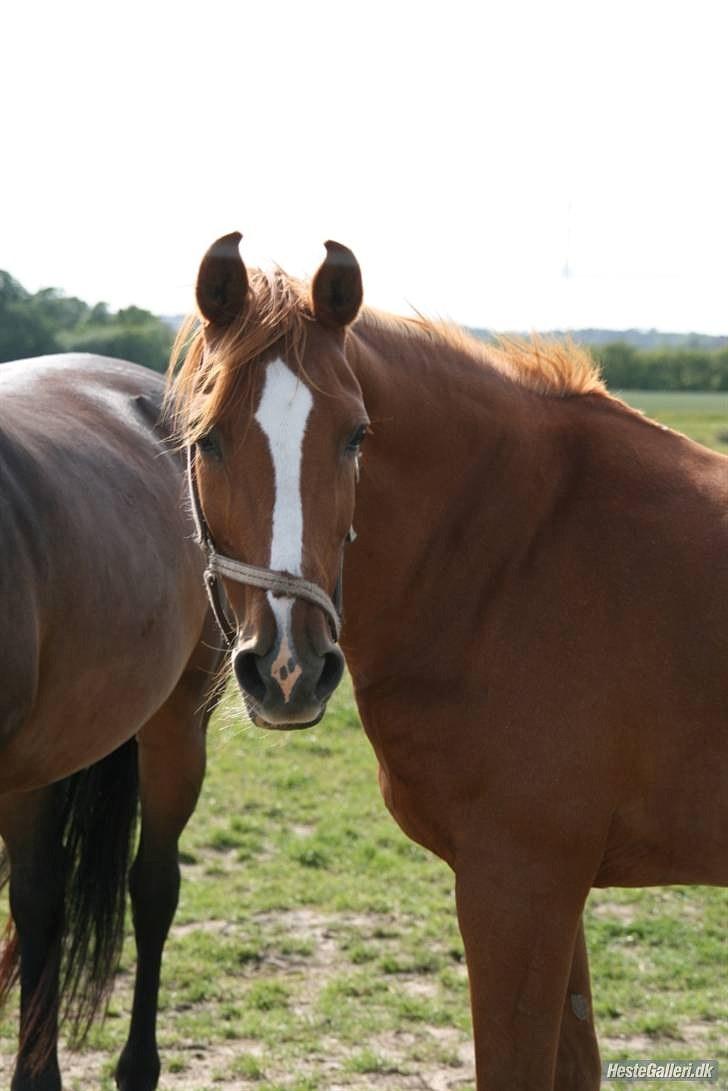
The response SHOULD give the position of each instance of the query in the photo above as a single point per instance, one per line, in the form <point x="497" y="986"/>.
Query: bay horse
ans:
<point x="108" y="680"/>
<point x="535" y="612"/>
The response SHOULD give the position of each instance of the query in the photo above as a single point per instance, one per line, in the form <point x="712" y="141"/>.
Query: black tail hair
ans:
<point x="98" y="810"/>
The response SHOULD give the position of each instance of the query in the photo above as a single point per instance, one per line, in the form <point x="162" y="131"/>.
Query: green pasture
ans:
<point x="702" y="416"/>
<point x="316" y="948"/>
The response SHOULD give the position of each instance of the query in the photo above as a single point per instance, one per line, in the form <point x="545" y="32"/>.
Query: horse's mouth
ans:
<point x="253" y="710"/>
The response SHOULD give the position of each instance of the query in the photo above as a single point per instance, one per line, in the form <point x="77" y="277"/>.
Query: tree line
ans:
<point x="625" y="367"/>
<point x="33" y="324"/>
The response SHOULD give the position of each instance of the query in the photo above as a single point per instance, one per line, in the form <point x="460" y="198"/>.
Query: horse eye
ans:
<point x="357" y="438"/>
<point x="209" y="445"/>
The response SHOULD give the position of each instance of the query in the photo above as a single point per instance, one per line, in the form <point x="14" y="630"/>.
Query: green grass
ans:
<point x="702" y="416"/>
<point x="316" y="947"/>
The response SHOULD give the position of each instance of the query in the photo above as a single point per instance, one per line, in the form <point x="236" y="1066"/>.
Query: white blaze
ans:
<point x="283" y="413"/>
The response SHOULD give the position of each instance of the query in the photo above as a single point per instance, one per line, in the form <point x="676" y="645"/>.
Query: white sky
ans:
<point x="461" y="149"/>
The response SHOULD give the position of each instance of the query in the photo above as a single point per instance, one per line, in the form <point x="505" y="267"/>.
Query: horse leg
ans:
<point x="519" y="927"/>
<point x="171" y="770"/>
<point x="578" y="1065"/>
<point x="31" y="828"/>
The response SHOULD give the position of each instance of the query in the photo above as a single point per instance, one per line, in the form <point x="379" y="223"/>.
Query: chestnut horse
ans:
<point x="107" y="684"/>
<point x="535" y="621"/>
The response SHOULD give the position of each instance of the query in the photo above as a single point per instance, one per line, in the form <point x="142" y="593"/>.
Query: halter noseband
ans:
<point x="280" y="583"/>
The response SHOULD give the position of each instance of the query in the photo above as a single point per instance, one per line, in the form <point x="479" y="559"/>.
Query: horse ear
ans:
<point x="222" y="282"/>
<point x="337" y="289"/>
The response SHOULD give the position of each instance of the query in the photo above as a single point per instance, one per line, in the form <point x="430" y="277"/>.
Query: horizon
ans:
<point x="174" y="320"/>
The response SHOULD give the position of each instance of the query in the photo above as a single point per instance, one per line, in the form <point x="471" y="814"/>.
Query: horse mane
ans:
<point x="202" y="378"/>
<point x="555" y="368"/>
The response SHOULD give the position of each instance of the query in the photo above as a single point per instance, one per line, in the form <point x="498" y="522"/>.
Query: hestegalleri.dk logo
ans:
<point x="660" y="1070"/>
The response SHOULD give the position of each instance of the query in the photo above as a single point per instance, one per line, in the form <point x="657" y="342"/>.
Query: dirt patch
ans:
<point x="636" y="1046"/>
<point x="415" y="1057"/>
<point x="614" y="911"/>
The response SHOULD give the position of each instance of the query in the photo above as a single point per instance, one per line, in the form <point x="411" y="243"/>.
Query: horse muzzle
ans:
<point x="283" y="691"/>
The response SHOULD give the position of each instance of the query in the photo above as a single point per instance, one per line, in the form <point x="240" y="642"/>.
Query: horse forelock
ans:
<point x="204" y="374"/>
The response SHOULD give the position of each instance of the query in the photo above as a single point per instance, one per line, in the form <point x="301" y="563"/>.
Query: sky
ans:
<point x="509" y="164"/>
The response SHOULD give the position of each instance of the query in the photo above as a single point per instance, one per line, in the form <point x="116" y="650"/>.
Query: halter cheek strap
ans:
<point x="279" y="583"/>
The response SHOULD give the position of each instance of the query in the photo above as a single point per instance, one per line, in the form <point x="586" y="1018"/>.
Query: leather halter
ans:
<point x="279" y="583"/>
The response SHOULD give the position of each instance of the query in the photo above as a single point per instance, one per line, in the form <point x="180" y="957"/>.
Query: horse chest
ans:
<point x="414" y="777"/>
<point x="417" y="815"/>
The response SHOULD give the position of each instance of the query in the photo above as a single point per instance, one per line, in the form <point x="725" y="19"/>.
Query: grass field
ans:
<point x="704" y="417"/>
<point x="316" y="948"/>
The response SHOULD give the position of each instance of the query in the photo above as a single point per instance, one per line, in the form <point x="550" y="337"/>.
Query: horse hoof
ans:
<point x="137" y="1074"/>
<point x="45" y="1081"/>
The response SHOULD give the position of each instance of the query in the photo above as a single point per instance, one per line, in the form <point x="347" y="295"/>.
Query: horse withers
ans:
<point x="108" y="679"/>
<point x="535" y="613"/>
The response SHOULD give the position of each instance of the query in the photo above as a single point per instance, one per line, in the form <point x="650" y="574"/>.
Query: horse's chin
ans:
<point x="259" y="720"/>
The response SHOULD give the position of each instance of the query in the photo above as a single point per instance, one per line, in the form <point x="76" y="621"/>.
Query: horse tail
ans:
<point x="98" y="809"/>
<point x="10" y="953"/>
<point x="99" y="831"/>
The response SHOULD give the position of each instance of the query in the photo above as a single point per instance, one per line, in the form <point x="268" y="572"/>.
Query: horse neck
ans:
<point x="460" y="472"/>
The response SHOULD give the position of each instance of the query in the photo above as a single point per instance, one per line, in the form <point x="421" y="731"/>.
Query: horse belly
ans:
<point x="103" y="670"/>
<point x="81" y="715"/>
<point x="675" y="833"/>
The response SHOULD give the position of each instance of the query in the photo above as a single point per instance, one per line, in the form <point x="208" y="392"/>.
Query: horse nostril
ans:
<point x="331" y="673"/>
<point x="247" y="671"/>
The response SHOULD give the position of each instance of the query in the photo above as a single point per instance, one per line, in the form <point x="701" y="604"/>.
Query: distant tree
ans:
<point x="23" y="331"/>
<point x="61" y="312"/>
<point x="49" y="321"/>
<point x="721" y="360"/>
<point x="11" y="291"/>
<point x="618" y="362"/>
<point x="146" y="343"/>
<point x="23" y="334"/>
<point x="627" y="368"/>
<point x="134" y="316"/>
<point x="99" y="314"/>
